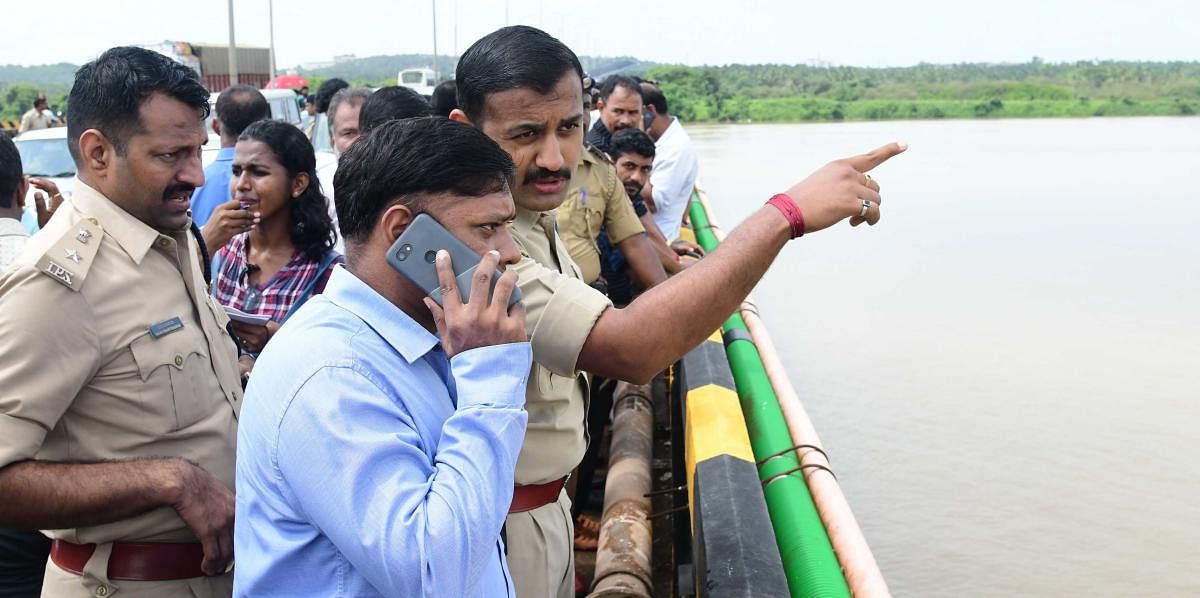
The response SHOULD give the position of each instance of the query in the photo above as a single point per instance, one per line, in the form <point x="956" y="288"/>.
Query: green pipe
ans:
<point x="809" y="563"/>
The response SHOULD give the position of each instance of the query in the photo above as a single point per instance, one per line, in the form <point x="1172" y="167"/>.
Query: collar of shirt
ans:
<point x="225" y="154"/>
<point x="598" y="129"/>
<point x="400" y="331"/>
<point x="527" y="222"/>
<point x="669" y="133"/>
<point x="133" y="235"/>
<point x="11" y="227"/>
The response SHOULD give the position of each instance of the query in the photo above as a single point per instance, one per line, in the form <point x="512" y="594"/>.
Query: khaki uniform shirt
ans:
<point x="560" y="310"/>
<point x="83" y="378"/>
<point x="34" y="120"/>
<point x="596" y="200"/>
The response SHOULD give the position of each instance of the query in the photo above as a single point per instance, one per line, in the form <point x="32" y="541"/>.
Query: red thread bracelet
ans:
<point x="783" y="202"/>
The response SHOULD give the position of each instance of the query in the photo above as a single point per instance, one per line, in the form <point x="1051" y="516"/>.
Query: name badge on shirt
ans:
<point x="166" y="327"/>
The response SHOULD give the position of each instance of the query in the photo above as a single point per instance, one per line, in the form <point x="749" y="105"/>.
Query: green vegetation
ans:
<point x="19" y="85"/>
<point x="789" y="93"/>
<point x="779" y="93"/>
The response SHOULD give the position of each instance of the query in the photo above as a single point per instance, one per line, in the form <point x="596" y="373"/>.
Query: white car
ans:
<point x="283" y="106"/>
<point x="44" y="154"/>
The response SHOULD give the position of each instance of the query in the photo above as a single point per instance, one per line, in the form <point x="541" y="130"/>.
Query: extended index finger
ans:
<point x="875" y="157"/>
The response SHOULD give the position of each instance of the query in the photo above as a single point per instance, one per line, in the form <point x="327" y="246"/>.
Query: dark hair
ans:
<point x="310" y="98"/>
<point x="326" y="90"/>
<point x="240" y="105"/>
<point x="653" y="96"/>
<point x="39" y="100"/>
<point x="403" y="158"/>
<point x="109" y="91"/>
<point x="631" y="141"/>
<point x="10" y="171"/>
<point x="445" y="98"/>
<point x="391" y="103"/>
<point x="615" y="81"/>
<point x="312" y="229"/>
<point x="511" y="58"/>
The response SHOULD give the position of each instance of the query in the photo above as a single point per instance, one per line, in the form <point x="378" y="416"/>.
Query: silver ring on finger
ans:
<point x="866" y="207"/>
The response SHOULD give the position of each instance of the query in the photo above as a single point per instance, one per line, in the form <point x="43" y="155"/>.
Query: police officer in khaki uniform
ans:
<point x="597" y="200"/>
<point x="121" y="386"/>
<point x="521" y="87"/>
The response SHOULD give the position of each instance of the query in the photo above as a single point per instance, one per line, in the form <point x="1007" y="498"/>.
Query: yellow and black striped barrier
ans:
<point x="733" y="543"/>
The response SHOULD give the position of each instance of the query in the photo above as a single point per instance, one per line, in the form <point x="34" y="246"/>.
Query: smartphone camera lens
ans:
<point x="430" y="256"/>
<point x="405" y="250"/>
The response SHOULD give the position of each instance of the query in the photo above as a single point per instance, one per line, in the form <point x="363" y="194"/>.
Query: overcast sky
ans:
<point x="864" y="33"/>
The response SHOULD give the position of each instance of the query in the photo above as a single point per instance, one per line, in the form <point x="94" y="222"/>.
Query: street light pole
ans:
<point x="271" y="29"/>
<point x="435" y="54"/>
<point x="233" y="73"/>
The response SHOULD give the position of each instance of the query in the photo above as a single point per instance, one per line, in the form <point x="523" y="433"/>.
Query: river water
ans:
<point x="1006" y="370"/>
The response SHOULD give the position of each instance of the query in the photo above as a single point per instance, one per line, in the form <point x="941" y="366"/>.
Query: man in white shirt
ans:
<point x="675" y="165"/>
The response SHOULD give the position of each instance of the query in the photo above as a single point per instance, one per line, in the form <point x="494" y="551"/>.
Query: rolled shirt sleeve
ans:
<point x="560" y="312"/>
<point x="51" y="351"/>
<point x="415" y="520"/>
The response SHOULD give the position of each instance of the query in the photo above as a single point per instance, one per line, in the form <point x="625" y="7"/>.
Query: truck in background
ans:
<point x="420" y="80"/>
<point x="211" y="61"/>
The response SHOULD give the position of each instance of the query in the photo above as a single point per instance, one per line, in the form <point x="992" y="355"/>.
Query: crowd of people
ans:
<point x="210" y="365"/>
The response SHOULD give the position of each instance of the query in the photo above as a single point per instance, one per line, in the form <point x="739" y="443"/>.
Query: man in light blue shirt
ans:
<point x="237" y="107"/>
<point x="375" y="457"/>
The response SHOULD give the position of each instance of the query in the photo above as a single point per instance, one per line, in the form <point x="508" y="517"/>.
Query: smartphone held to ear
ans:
<point x="415" y="252"/>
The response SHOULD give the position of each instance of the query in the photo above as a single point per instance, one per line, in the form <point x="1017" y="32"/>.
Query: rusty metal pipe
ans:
<point x="623" y="557"/>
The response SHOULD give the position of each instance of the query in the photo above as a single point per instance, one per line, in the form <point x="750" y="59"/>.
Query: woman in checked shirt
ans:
<point x="288" y="256"/>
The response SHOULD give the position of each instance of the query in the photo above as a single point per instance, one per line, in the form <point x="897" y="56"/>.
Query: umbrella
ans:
<point x="287" y="82"/>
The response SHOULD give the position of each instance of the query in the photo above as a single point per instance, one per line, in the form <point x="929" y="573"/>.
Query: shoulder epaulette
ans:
<point x="598" y="153"/>
<point x="68" y="260"/>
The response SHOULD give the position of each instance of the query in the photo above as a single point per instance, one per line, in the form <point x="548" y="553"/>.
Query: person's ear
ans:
<point x="457" y="115"/>
<point x="299" y="184"/>
<point x="216" y="124"/>
<point x="395" y="220"/>
<point x="96" y="152"/>
<point x="22" y="191"/>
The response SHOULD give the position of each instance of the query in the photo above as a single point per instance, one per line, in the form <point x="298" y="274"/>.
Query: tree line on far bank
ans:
<point x="791" y="93"/>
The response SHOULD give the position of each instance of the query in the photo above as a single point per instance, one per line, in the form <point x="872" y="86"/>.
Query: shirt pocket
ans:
<point x="176" y="367"/>
<point x="553" y="393"/>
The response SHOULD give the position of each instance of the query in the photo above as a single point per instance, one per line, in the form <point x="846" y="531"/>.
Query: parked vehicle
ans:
<point x="44" y="154"/>
<point x="211" y="61"/>
<point x="420" y="80"/>
<point x="282" y="101"/>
